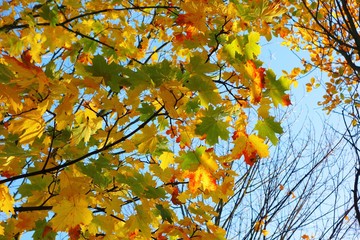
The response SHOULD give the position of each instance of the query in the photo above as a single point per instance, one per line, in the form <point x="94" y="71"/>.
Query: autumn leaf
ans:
<point x="147" y="141"/>
<point x="265" y="232"/>
<point x="257" y="83"/>
<point x="166" y="159"/>
<point x="201" y="177"/>
<point x="174" y="196"/>
<point x="88" y="124"/>
<point x="75" y="232"/>
<point x="252" y="49"/>
<point x="164" y="213"/>
<point x="277" y="88"/>
<point x="208" y="161"/>
<point x="113" y="113"/>
<point x="305" y="237"/>
<point x="7" y="201"/>
<point x="212" y="126"/>
<point x="71" y="213"/>
<point x="268" y="128"/>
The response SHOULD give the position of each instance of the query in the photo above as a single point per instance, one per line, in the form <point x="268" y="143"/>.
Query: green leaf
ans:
<point x="213" y="126"/>
<point x="206" y="88"/>
<point x="96" y="173"/>
<point x="191" y="160"/>
<point x="160" y="72"/>
<point x="133" y="79"/>
<point x="193" y="106"/>
<point x="234" y="50"/>
<point x="276" y="88"/>
<point x="38" y="183"/>
<point x="197" y="65"/>
<point x="146" y="110"/>
<point x="5" y="74"/>
<point x="153" y="193"/>
<point x="50" y="14"/>
<point x="40" y="232"/>
<point x="164" y="213"/>
<point x="268" y="128"/>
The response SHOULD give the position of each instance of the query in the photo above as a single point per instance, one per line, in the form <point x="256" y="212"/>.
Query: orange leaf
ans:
<point x="257" y="81"/>
<point x="174" y="196"/>
<point x="200" y="177"/>
<point x="306" y="237"/>
<point x="286" y="100"/>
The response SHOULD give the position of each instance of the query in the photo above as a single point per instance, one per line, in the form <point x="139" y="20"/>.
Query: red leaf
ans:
<point x="250" y="157"/>
<point x="74" y="233"/>
<point x="184" y="19"/>
<point x="286" y="100"/>
<point x="174" y="196"/>
<point x="47" y="230"/>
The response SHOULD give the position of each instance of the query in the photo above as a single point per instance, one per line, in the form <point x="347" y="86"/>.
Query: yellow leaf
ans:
<point x="346" y="218"/>
<point x="2" y="230"/>
<point x="281" y="187"/>
<point x="6" y="200"/>
<point x="88" y="124"/>
<point x="169" y="101"/>
<point x="166" y="158"/>
<point x="148" y="139"/>
<point x="265" y="232"/>
<point x="259" y="145"/>
<point x="70" y="213"/>
<point x="128" y="145"/>
<point x="208" y="161"/>
<point x="200" y="177"/>
<point x="29" y="126"/>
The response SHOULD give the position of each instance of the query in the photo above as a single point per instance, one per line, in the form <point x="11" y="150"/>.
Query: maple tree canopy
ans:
<point x="113" y="113"/>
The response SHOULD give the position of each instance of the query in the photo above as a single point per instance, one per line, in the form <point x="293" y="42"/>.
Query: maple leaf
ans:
<point x="251" y="147"/>
<point x="170" y="101"/>
<point x="257" y="78"/>
<point x="191" y="159"/>
<point x="201" y="177"/>
<point x="174" y="196"/>
<point x="213" y="126"/>
<point x="268" y="128"/>
<point x="74" y="233"/>
<point x="276" y="88"/>
<point x="165" y="213"/>
<point x="30" y="125"/>
<point x="88" y="124"/>
<point x="252" y="49"/>
<point x="208" y="161"/>
<point x="166" y="159"/>
<point x="6" y="200"/>
<point x="71" y="213"/>
<point x="148" y="140"/>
